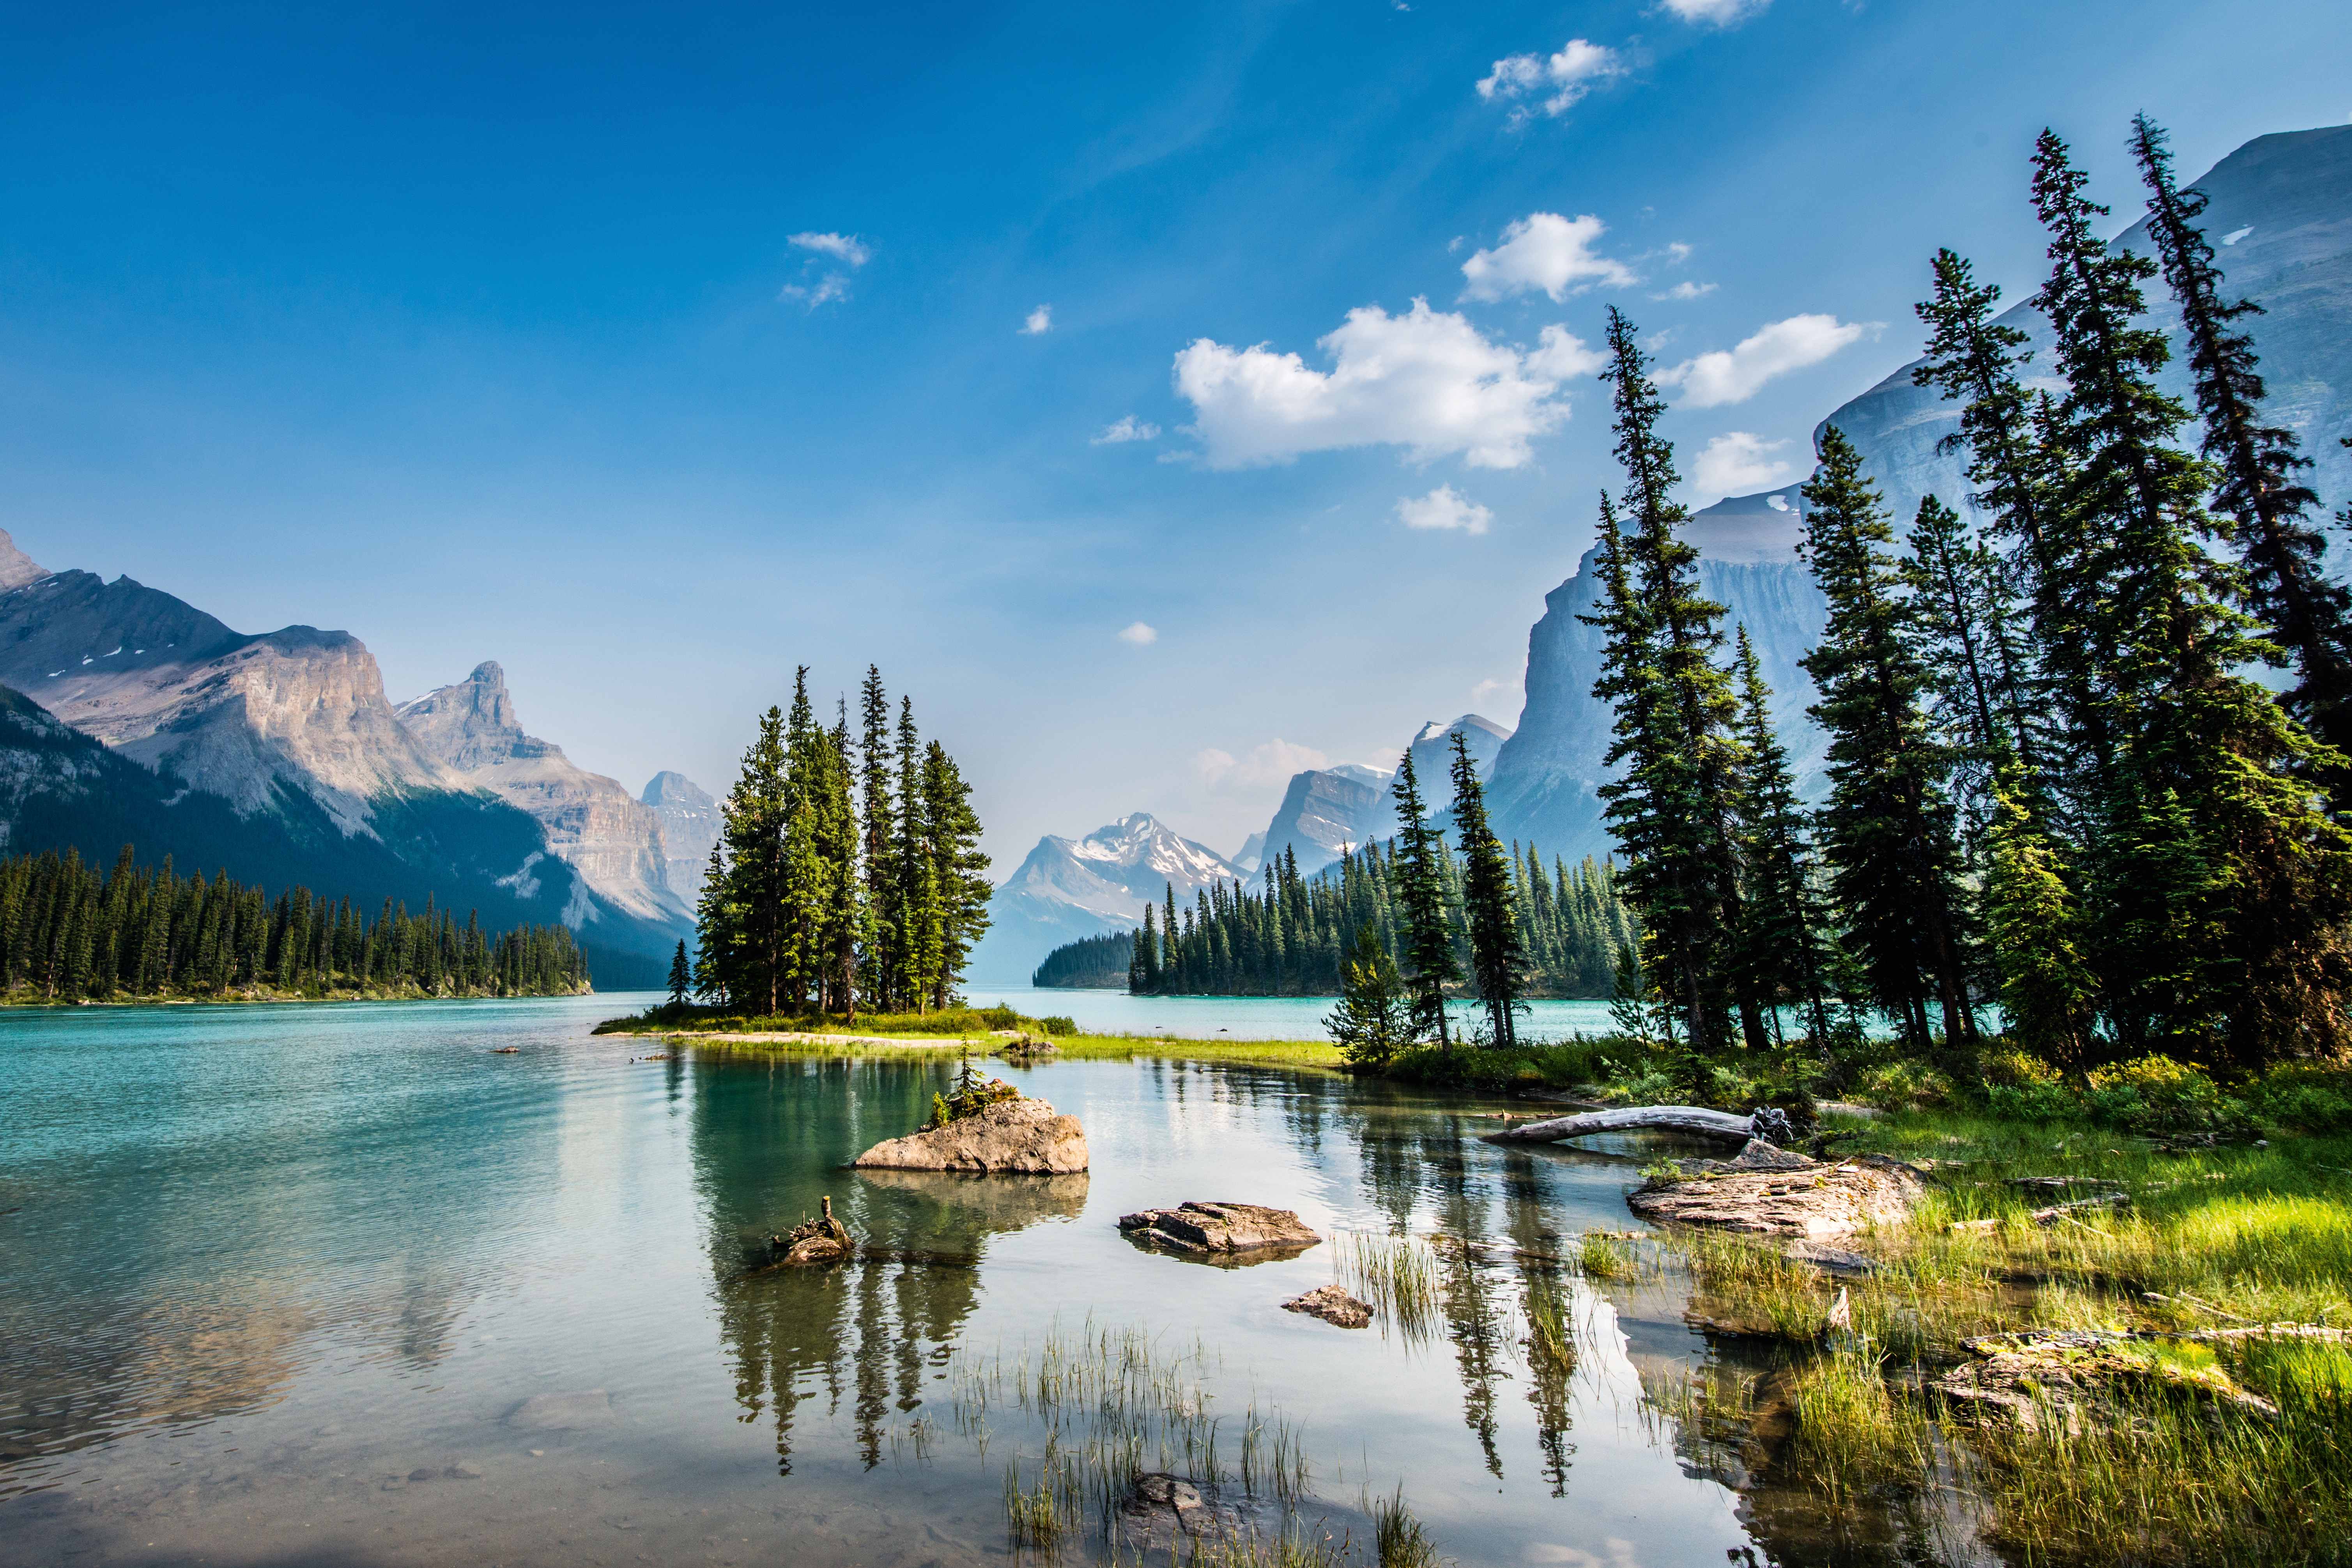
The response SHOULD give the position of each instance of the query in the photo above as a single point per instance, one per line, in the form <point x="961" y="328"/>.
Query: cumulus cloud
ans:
<point x="825" y="274"/>
<point x="1127" y="427"/>
<point x="1561" y="355"/>
<point x="1737" y="374"/>
<point x="846" y="249"/>
<point x="1038" y="322"/>
<point x="1737" y="463"/>
<point x="1687" y="289"/>
<point x="1427" y="381"/>
<point x="1552" y="82"/>
<point x="1443" y="508"/>
<point x="1272" y="762"/>
<point x="1139" y="634"/>
<point x="1715" y="12"/>
<point x="1545" y="253"/>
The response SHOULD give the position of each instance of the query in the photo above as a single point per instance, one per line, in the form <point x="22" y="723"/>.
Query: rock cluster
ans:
<point x="1766" y="1191"/>
<point x="1023" y="1136"/>
<point x="1334" y="1306"/>
<point x="1222" y="1233"/>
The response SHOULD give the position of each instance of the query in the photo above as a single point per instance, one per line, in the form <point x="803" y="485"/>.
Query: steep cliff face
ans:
<point x="595" y="825"/>
<point x="1546" y="777"/>
<point x="1323" y="815"/>
<point x="247" y="718"/>
<point x="2281" y="216"/>
<point x="690" y="824"/>
<point x="1068" y="888"/>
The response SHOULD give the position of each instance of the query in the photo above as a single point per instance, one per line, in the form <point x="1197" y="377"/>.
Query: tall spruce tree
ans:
<point x="1886" y="832"/>
<point x="876" y="817"/>
<point x="1425" y="932"/>
<point x="2214" y="886"/>
<point x="1781" y="923"/>
<point x="841" y="916"/>
<point x="1968" y="647"/>
<point x="1498" y="960"/>
<point x="752" y="903"/>
<point x="960" y="871"/>
<point x="921" y="929"/>
<point x="1673" y="805"/>
<point x="2256" y="463"/>
<point x="681" y="977"/>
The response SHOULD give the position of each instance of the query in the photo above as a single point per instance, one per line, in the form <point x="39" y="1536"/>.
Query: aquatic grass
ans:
<point x="1551" y="1334"/>
<point x="1601" y="1255"/>
<point x="1398" y="1539"/>
<point x="1398" y="1276"/>
<point x="1852" y="1432"/>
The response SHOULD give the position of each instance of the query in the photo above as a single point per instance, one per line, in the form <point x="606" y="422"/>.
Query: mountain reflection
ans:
<point x="768" y="1145"/>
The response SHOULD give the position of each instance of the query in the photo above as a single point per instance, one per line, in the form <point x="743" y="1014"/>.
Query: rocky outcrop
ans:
<point x="593" y="825"/>
<point x="1766" y="1191"/>
<point x="1016" y="1136"/>
<point x="1334" y="1306"/>
<point x="1221" y="1233"/>
<point x="690" y="824"/>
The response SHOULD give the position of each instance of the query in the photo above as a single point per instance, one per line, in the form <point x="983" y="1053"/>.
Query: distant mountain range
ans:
<point x="132" y="716"/>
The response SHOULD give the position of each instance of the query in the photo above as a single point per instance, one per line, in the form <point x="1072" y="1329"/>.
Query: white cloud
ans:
<point x="1561" y="355"/>
<point x="1687" y="289"/>
<point x="1715" y="12"/>
<point x="1737" y="463"/>
<point x="1139" y="634"/>
<point x="846" y="249"/>
<point x="1427" y="381"/>
<point x="1038" y="322"/>
<point x="1493" y="686"/>
<point x="1735" y="375"/>
<point x="1127" y="428"/>
<point x="832" y="286"/>
<point x="1563" y="77"/>
<point x="1547" y="252"/>
<point x="1443" y="508"/>
<point x="843" y="251"/>
<point x="1272" y="762"/>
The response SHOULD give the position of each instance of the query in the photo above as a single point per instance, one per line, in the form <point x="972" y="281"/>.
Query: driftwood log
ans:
<point x="1633" y="1119"/>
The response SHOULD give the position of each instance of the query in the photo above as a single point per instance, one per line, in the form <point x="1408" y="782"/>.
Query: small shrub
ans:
<point x="1902" y="1086"/>
<point x="2157" y="1094"/>
<point x="1058" y="1026"/>
<point x="2309" y="1099"/>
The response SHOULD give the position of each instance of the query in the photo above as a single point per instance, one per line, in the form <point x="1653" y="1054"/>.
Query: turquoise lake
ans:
<point x="344" y="1284"/>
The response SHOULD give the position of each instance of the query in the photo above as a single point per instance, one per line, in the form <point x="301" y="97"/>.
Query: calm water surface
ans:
<point x="340" y="1285"/>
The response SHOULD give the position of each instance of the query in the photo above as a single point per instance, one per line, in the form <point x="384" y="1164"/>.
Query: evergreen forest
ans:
<point x="847" y="872"/>
<point x="1291" y="937"/>
<point x="1097" y="962"/>
<point x="69" y="932"/>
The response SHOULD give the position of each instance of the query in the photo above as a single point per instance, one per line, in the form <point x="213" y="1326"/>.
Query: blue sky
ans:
<point x="653" y="350"/>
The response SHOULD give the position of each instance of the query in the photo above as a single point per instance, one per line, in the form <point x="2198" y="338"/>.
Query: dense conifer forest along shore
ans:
<point x="70" y="933"/>
<point x="1294" y="936"/>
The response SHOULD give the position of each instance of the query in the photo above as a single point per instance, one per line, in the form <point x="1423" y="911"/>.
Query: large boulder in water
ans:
<point x="1221" y="1233"/>
<point x="1022" y="1136"/>
<point x="1773" y="1192"/>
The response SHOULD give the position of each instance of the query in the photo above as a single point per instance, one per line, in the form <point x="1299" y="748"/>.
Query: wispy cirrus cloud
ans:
<point x="824" y="274"/>
<point x="1715" y="13"/>
<point x="1271" y="762"/>
<point x="1126" y="428"/>
<point x="1736" y="374"/>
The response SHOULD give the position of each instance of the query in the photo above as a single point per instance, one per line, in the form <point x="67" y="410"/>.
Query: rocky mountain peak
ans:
<point x="471" y="723"/>
<point x="16" y="568"/>
<point x="670" y="788"/>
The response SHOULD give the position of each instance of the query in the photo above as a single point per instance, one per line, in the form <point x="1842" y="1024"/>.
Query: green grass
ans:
<point x="2154" y="1469"/>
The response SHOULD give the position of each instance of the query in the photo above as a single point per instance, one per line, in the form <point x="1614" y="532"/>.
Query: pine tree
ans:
<point x="917" y="898"/>
<point x="960" y="869"/>
<point x="2213" y="886"/>
<point x="753" y="963"/>
<point x="1426" y="935"/>
<point x="2032" y="929"/>
<point x="1886" y="832"/>
<point x="1672" y="806"/>
<point x="1374" y="1018"/>
<point x="1143" y="962"/>
<point x="1962" y="633"/>
<point x="681" y="977"/>
<point x="842" y="921"/>
<point x="876" y="815"/>
<point x="1497" y="961"/>
<point x="1781" y="920"/>
<point x="2256" y="464"/>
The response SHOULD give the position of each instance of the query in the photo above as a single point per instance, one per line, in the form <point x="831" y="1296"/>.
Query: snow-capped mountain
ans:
<point x="1073" y="888"/>
<point x="1327" y="812"/>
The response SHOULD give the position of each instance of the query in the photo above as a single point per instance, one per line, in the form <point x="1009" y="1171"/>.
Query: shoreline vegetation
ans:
<point x="949" y="1031"/>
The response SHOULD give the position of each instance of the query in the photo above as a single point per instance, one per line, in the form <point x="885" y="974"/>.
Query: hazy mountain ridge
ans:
<point x="1071" y="888"/>
<point x="690" y="824"/>
<point x="276" y="755"/>
<point x="608" y="835"/>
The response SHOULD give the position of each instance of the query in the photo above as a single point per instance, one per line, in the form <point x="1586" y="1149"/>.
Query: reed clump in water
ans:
<point x="1398" y="1276"/>
<point x="1398" y="1539"/>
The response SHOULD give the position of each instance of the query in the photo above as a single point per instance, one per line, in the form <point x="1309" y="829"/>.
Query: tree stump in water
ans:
<point x="823" y="1240"/>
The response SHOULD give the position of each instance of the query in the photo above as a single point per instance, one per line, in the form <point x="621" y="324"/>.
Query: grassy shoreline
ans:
<point x="951" y="1033"/>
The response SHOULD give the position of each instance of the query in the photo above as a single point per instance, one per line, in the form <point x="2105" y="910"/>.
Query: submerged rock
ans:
<point x="1334" y="1306"/>
<point x="1222" y="1233"/>
<point x="1015" y="1135"/>
<point x="823" y="1240"/>
<point x="2064" y="1374"/>
<point x="1771" y="1191"/>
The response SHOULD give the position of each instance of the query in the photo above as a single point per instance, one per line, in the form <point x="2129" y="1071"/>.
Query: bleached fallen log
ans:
<point x="1632" y="1119"/>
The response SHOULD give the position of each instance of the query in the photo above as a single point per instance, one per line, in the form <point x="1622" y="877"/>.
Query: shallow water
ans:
<point x="339" y="1284"/>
